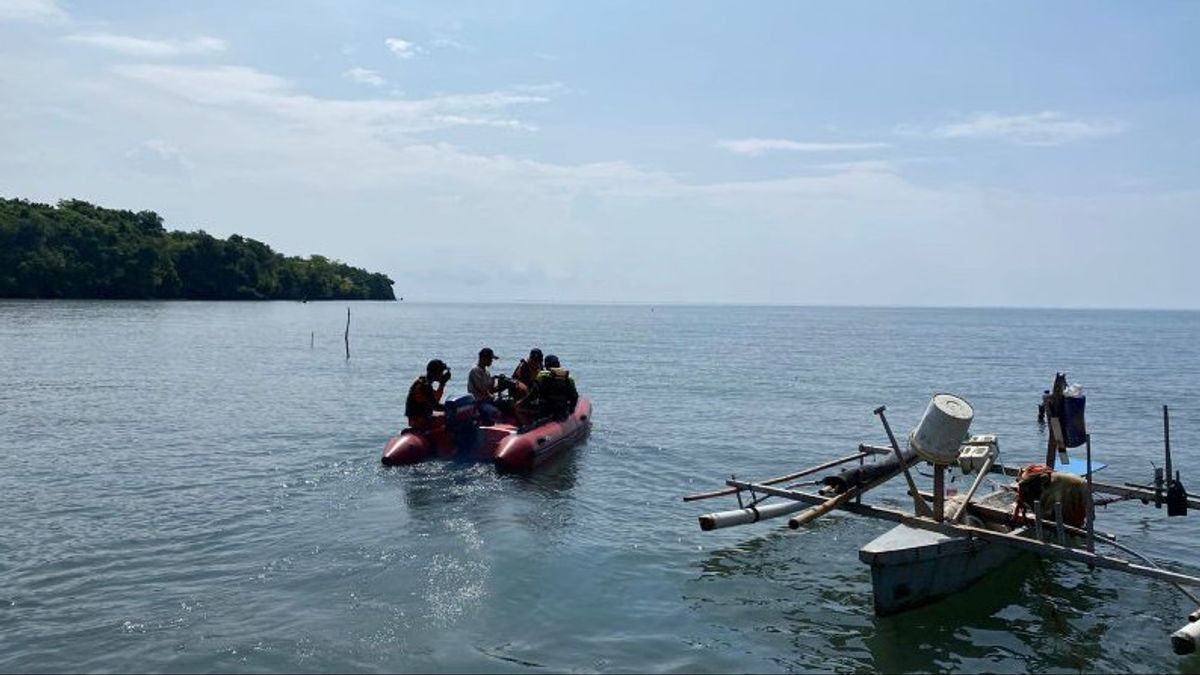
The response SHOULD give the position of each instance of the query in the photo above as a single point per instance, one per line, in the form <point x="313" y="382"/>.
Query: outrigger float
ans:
<point x="949" y="542"/>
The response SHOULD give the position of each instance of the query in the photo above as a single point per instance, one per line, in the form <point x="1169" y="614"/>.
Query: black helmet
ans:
<point x="435" y="368"/>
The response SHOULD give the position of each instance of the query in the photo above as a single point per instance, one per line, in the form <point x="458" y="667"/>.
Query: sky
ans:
<point x="975" y="154"/>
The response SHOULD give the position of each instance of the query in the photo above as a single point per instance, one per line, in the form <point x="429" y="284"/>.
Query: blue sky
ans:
<point x="961" y="154"/>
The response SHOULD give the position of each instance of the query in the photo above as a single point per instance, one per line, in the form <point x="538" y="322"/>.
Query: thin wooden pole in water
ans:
<point x="312" y="339"/>
<point x="347" y="333"/>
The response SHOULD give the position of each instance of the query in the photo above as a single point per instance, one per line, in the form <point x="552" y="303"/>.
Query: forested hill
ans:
<point x="78" y="250"/>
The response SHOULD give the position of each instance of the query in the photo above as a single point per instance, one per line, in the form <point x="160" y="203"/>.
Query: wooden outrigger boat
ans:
<point x="946" y="544"/>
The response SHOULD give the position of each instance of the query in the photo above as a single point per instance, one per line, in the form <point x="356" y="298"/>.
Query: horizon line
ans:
<point x="642" y="303"/>
<point x="697" y="303"/>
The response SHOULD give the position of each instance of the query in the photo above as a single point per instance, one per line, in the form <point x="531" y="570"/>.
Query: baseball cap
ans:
<point x="486" y="352"/>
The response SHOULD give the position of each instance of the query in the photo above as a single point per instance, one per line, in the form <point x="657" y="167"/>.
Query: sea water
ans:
<point x="194" y="486"/>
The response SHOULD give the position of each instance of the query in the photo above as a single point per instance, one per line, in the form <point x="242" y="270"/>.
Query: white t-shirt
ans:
<point x="479" y="383"/>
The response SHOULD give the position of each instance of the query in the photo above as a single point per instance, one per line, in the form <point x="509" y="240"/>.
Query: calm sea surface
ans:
<point x="197" y="487"/>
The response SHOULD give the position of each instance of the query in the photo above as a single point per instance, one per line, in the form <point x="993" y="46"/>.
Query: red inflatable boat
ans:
<point x="512" y="448"/>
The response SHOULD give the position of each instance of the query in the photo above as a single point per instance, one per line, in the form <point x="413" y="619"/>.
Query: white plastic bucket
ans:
<point x="942" y="429"/>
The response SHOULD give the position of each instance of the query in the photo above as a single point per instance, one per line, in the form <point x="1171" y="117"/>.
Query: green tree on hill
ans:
<point x="79" y="250"/>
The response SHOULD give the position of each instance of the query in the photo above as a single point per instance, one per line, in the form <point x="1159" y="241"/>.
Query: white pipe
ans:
<point x="750" y="514"/>
<point x="1183" y="641"/>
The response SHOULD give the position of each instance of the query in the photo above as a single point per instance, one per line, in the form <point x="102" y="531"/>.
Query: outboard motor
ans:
<point x="1176" y="498"/>
<point x="462" y="421"/>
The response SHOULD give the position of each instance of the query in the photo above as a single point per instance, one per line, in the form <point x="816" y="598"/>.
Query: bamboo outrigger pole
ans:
<point x="757" y="511"/>
<point x="834" y="502"/>
<point x="863" y="452"/>
<point x="1127" y="491"/>
<point x="1042" y="548"/>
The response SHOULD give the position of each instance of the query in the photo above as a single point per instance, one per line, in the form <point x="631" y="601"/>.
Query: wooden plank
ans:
<point x="1041" y="548"/>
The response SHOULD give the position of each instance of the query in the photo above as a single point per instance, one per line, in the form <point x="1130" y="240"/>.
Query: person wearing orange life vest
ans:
<point x="527" y="371"/>
<point x="554" y="393"/>
<point x="423" y="398"/>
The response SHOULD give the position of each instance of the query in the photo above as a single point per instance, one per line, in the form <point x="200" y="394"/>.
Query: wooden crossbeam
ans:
<point x="1015" y="541"/>
<point x="1125" y="491"/>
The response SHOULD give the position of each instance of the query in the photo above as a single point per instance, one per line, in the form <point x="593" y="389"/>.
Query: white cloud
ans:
<point x="135" y="46"/>
<point x="157" y="157"/>
<point x="286" y="164"/>
<point x="545" y="88"/>
<point x="1044" y="128"/>
<point x="447" y="43"/>
<point x="755" y="147"/>
<point x="403" y="48"/>
<point x="365" y="76"/>
<point x="240" y="87"/>
<point x="32" y="11"/>
<point x="221" y="85"/>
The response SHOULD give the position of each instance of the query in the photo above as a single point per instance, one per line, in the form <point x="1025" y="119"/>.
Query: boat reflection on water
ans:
<point x="554" y="478"/>
<point x="1025" y="609"/>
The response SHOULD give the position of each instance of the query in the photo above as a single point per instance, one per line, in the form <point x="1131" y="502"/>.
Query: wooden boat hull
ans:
<point x="911" y="567"/>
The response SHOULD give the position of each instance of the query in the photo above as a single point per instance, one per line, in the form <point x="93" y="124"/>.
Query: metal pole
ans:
<point x="983" y="471"/>
<point x="939" y="492"/>
<point x="861" y="462"/>
<point x="1091" y="506"/>
<point x="1058" y="523"/>
<point x="792" y="476"/>
<point x="1167" y="442"/>
<point x="919" y="505"/>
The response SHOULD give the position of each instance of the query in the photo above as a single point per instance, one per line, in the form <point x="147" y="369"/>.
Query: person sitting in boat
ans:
<point x="484" y="388"/>
<point x="527" y="371"/>
<point x="424" y="398"/>
<point x="554" y="393"/>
